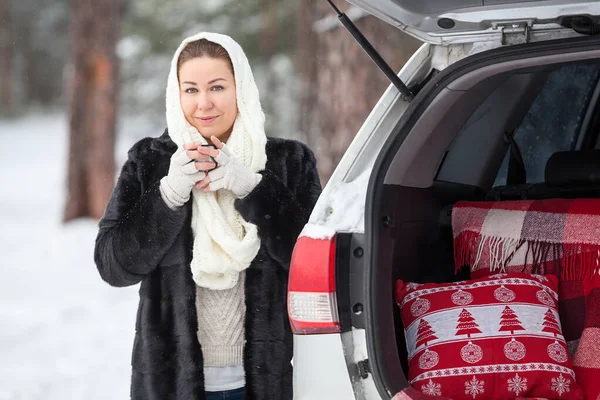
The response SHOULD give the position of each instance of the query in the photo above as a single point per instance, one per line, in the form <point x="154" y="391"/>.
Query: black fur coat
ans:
<point x="142" y="240"/>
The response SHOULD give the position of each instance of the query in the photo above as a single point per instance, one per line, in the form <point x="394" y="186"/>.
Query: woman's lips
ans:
<point x="206" y="120"/>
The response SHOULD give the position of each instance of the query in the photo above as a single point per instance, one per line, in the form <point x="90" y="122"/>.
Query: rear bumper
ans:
<point x="320" y="371"/>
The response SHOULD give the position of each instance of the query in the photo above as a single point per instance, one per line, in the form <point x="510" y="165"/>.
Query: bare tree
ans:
<point x="92" y="88"/>
<point x="306" y="61"/>
<point x="6" y="58"/>
<point x="345" y="84"/>
<point x="269" y="28"/>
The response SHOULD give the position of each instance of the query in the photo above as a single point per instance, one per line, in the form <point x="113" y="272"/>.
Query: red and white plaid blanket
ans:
<point x="557" y="236"/>
<point x="576" y="298"/>
<point x="536" y="235"/>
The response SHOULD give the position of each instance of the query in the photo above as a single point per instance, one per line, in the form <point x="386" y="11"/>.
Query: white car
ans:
<point x="498" y="87"/>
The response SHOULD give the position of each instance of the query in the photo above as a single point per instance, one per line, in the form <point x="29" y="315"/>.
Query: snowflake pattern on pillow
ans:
<point x="492" y="338"/>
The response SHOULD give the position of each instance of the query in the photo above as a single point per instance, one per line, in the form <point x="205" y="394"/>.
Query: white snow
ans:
<point x="314" y="231"/>
<point x="64" y="333"/>
<point x="132" y="47"/>
<point x="341" y="208"/>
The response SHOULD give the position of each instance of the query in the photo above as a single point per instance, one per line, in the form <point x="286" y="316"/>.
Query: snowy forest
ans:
<point x="81" y="81"/>
<point x="110" y="58"/>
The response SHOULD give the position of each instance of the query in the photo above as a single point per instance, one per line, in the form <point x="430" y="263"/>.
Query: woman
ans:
<point x="209" y="234"/>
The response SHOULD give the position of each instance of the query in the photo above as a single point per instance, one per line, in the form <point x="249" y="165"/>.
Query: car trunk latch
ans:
<point x="514" y="32"/>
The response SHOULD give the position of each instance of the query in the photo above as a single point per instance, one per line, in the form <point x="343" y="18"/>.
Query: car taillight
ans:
<point x="312" y="305"/>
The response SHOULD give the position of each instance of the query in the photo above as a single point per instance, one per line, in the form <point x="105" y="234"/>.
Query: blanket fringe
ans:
<point x="569" y="261"/>
<point x="464" y="245"/>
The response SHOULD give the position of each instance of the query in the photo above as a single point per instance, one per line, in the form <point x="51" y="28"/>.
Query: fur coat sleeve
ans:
<point x="138" y="227"/>
<point x="283" y="200"/>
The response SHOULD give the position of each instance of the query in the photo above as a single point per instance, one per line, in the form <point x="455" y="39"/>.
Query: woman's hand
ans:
<point x="202" y="161"/>
<point x="230" y="173"/>
<point x="184" y="173"/>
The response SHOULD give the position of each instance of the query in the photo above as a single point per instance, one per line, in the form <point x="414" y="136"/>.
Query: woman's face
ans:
<point x="207" y="95"/>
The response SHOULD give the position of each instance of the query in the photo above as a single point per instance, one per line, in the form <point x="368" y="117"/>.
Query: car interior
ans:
<point x="508" y="131"/>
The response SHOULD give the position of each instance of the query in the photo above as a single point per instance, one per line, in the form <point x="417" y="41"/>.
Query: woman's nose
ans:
<point x="204" y="102"/>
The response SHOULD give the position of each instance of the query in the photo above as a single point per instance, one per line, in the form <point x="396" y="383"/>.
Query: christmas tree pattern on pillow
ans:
<point x="493" y="338"/>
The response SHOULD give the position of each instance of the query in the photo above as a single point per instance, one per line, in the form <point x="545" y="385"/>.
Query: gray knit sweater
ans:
<point x="221" y="316"/>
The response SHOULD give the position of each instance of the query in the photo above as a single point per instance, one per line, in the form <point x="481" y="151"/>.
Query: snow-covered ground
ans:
<point x="64" y="333"/>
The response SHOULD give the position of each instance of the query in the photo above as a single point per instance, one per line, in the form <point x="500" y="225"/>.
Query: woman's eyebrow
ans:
<point x="215" y="80"/>
<point x="190" y="83"/>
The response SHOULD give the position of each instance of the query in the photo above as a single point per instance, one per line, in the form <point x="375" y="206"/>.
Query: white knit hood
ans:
<point x="224" y="243"/>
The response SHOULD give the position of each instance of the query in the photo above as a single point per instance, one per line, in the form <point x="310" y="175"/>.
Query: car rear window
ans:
<point x="554" y="119"/>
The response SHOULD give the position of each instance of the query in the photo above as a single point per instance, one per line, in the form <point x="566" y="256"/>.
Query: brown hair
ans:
<point x="201" y="48"/>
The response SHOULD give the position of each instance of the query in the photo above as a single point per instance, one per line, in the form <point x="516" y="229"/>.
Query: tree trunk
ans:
<point x="269" y="28"/>
<point x="92" y="92"/>
<point x="31" y="89"/>
<point x="306" y="61"/>
<point x="6" y="58"/>
<point x="348" y="84"/>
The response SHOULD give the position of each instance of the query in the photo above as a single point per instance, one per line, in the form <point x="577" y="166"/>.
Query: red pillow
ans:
<point x="493" y="338"/>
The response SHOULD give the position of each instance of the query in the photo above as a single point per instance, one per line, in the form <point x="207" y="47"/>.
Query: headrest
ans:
<point x="573" y="167"/>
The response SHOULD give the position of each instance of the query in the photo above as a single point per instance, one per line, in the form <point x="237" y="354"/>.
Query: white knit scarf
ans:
<point x="224" y="243"/>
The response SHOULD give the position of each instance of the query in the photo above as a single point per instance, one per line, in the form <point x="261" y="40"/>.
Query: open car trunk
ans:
<point x="451" y="146"/>
<point x="468" y="21"/>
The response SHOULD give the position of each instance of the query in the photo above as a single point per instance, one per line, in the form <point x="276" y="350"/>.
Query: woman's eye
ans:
<point x="191" y="90"/>
<point x="217" y="88"/>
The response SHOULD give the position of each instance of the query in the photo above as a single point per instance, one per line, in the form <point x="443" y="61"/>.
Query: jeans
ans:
<point x="235" y="394"/>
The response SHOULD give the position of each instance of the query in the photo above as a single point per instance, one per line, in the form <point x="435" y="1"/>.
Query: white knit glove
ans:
<point x="231" y="174"/>
<point x="176" y="187"/>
